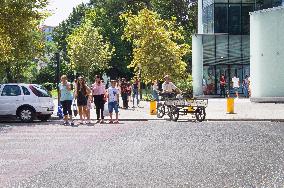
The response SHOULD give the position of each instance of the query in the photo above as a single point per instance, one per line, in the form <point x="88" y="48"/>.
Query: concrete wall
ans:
<point x="267" y="53"/>
<point x="197" y="64"/>
<point x="200" y="25"/>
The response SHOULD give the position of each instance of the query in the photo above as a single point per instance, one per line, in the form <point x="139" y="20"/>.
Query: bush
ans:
<point x="185" y="84"/>
<point x="48" y="86"/>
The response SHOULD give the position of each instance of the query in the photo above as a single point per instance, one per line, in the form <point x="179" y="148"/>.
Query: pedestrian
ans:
<point x="89" y="107"/>
<point x="222" y="86"/>
<point x="236" y="85"/>
<point x="117" y="86"/>
<point x="66" y="98"/>
<point x="99" y="92"/>
<point x="113" y="96"/>
<point x="249" y="86"/>
<point x="129" y="90"/>
<point x="135" y="91"/>
<point x="124" y="93"/>
<point x="246" y="86"/>
<point x="155" y="90"/>
<point x="81" y="94"/>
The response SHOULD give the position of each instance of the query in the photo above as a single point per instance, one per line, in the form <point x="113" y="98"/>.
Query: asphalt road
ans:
<point x="143" y="154"/>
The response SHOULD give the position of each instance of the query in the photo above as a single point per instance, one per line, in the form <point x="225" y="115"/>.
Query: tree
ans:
<point x="66" y="28"/>
<point x="158" y="45"/>
<point x="87" y="50"/>
<point x="20" y="36"/>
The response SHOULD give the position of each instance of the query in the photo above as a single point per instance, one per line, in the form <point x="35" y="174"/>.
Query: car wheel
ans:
<point x="26" y="114"/>
<point x="44" y="117"/>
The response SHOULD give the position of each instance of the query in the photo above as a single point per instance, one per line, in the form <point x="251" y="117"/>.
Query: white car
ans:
<point x="25" y="101"/>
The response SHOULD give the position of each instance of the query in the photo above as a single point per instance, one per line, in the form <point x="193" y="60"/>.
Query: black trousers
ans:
<point x="99" y="103"/>
<point x="66" y="105"/>
<point x="223" y="93"/>
<point x="124" y="97"/>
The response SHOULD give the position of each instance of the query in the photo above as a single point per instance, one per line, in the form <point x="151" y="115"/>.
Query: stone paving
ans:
<point x="216" y="111"/>
<point x="143" y="154"/>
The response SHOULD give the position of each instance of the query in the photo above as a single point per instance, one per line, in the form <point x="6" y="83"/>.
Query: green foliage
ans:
<point x="87" y="49"/>
<point x="20" y="36"/>
<point x="155" y="40"/>
<point x="185" y="84"/>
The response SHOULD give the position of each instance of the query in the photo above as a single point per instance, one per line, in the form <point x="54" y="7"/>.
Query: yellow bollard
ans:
<point x="230" y="105"/>
<point x="153" y="107"/>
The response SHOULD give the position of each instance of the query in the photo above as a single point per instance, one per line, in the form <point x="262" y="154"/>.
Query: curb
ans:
<point x="55" y="118"/>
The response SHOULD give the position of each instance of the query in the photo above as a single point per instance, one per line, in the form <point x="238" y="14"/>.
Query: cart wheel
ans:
<point x="174" y="115"/>
<point x="160" y="110"/>
<point x="200" y="114"/>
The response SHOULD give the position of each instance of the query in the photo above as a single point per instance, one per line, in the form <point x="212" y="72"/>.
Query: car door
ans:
<point x="11" y="97"/>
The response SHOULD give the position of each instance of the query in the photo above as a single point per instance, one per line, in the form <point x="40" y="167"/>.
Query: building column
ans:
<point x="197" y="64"/>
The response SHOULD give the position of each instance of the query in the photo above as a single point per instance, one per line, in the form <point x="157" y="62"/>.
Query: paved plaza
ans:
<point x="143" y="154"/>
<point x="245" y="110"/>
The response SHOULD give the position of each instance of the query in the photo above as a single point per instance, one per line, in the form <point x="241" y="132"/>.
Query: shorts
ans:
<point x="113" y="106"/>
<point x="236" y="89"/>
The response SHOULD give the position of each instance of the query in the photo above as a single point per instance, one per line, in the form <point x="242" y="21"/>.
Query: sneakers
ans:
<point x="66" y="123"/>
<point x="72" y="123"/>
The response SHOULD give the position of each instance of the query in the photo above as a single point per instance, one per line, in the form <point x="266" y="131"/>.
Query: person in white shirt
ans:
<point x="236" y="85"/>
<point x="113" y="95"/>
<point x="168" y="87"/>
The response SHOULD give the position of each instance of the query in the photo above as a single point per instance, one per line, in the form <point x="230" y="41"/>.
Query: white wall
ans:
<point x="197" y="64"/>
<point x="267" y="53"/>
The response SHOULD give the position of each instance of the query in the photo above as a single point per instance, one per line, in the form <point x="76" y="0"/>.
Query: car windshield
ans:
<point x="39" y="90"/>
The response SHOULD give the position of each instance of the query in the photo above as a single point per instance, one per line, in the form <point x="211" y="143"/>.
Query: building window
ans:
<point x="235" y="19"/>
<point x="221" y="18"/>
<point x="246" y="9"/>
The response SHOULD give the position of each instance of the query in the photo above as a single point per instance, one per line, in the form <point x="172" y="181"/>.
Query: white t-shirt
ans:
<point x="112" y="93"/>
<point x="168" y="87"/>
<point x="235" y="82"/>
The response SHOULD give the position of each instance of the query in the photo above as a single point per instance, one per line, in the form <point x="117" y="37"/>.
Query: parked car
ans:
<point x="25" y="101"/>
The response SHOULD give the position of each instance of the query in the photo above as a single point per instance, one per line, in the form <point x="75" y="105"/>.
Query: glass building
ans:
<point x="224" y="26"/>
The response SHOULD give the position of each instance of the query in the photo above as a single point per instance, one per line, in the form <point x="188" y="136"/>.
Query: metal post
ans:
<point x="57" y="59"/>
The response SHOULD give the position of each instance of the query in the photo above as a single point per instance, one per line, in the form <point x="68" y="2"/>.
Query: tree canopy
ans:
<point x="158" y="45"/>
<point x="87" y="49"/>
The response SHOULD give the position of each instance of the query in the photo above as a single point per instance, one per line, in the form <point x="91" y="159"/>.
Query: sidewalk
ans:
<point x="216" y="111"/>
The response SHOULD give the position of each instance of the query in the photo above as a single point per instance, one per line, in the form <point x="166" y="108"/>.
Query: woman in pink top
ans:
<point x="98" y="90"/>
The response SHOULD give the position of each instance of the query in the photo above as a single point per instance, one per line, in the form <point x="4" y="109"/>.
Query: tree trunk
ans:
<point x="9" y="75"/>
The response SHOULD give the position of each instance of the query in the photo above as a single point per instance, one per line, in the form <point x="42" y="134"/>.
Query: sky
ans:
<point x="61" y="10"/>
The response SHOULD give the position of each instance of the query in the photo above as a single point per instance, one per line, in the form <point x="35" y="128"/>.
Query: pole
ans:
<point x="57" y="59"/>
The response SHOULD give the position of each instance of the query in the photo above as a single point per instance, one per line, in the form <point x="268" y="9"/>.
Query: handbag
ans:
<point x="74" y="108"/>
<point x="60" y="112"/>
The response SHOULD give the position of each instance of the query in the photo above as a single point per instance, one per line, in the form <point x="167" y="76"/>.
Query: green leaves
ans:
<point x="87" y="50"/>
<point x="156" y="47"/>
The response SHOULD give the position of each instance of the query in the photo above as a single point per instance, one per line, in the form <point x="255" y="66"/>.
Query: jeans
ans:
<point x="246" y="91"/>
<point x="155" y="95"/>
<point x="223" y="93"/>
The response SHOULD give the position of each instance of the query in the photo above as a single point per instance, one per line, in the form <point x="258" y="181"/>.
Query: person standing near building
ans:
<point x="246" y="86"/>
<point x="222" y="86"/>
<point x="98" y="90"/>
<point x="135" y="91"/>
<point x="124" y="93"/>
<point x="236" y="85"/>
<point x="66" y="97"/>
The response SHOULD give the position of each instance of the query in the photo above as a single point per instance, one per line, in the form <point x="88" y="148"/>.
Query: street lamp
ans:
<point x="57" y="75"/>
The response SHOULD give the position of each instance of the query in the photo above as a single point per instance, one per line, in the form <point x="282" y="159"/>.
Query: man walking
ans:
<point x="124" y="93"/>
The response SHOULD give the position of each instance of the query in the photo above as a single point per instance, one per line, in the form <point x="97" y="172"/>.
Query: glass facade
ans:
<point x="226" y="50"/>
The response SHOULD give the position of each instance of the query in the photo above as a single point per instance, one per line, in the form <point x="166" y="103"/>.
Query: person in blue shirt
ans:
<point x="66" y="97"/>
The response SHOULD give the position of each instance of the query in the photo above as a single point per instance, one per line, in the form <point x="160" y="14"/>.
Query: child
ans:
<point x="89" y="107"/>
<point x="113" y="95"/>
